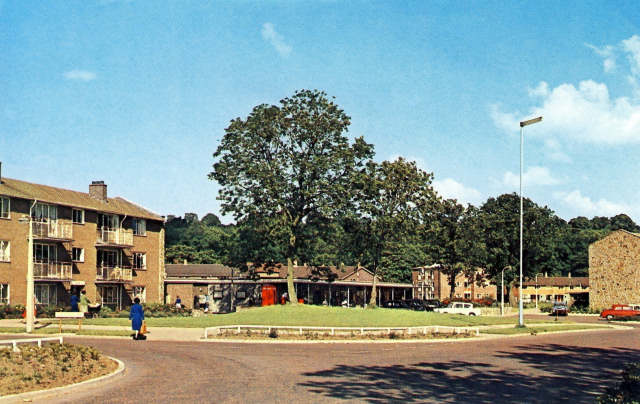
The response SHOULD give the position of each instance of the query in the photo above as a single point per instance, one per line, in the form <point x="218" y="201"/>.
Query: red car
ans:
<point x="621" y="310"/>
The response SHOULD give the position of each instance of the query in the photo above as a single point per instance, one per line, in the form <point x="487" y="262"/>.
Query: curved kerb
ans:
<point x="19" y="397"/>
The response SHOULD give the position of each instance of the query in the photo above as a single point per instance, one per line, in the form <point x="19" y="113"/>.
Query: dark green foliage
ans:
<point x="287" y="163"/>
<point x="627" y="391"/>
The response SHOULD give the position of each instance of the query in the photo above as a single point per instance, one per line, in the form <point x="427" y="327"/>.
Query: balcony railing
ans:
<point x="52" y="270"/>
<point x="115" y="274"/>
<point x="52" y="229"/>
<point x="115" y="236"/>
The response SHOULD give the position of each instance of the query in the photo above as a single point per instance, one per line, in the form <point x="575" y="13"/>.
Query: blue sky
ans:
<point x="138" y="93"/>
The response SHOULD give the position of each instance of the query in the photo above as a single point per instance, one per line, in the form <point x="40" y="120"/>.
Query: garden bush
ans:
<point x="627" y="391"/>
<point x="165" y="310"/>
<point x="545" y="307"/>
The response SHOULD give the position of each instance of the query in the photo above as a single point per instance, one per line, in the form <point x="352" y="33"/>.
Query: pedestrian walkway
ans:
<point x="154" y="333"/>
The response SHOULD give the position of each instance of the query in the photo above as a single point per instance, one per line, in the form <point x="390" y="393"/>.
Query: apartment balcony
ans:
<point x="114" y="274"/>
<point x="115" y="237"/>
<point x="52" y="230"/>
<point x="48" y="270"/>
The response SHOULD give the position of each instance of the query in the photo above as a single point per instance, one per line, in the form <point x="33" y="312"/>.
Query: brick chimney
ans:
<point x="98" y="190"/>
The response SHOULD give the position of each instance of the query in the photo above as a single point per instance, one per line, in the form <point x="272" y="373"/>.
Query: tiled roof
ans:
<point x="558" y="281"/>
<point x="60" y="196"/>
<point x="199" y="270"/>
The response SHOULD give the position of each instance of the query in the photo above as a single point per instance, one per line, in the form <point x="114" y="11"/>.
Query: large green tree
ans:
<point x="454" y="241"/>
<point x="395" y="203"/>
<point x="287" y="162"/>
<point x="500" y="220"/>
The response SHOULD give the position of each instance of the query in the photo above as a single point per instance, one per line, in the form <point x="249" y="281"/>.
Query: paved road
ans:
<point x="530" y="369"/>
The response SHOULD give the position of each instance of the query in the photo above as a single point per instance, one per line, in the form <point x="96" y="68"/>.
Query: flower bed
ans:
<point x="53" y="365"/>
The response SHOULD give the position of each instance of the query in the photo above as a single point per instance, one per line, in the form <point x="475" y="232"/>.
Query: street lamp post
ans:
<point x="29" y="317"/>
<point x="522" y="125"/>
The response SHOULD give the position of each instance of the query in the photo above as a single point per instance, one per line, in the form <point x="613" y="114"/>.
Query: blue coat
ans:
<point x="136" y="315"/>
<point x="74" y="303"/>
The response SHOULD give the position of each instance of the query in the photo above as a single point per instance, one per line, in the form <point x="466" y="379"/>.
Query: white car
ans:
<point x="459" y="308"/>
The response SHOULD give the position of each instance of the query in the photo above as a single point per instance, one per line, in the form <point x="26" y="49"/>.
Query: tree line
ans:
<point x="300" y="190"/>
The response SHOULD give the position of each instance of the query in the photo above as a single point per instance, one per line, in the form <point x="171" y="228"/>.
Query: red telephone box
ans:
<point x="268" y="295"/>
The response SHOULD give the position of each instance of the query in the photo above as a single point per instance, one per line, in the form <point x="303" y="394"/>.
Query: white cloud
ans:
<point x="452" y="189"/>
<point x="541" y="91"/>
<point x="608" y="55"/>
<point x="275" y="39"/>
<point x="81" y="75"/>
<point x="535" y="175"/>
<point x="585" y="114"/>
<point x="584" y="206"/>
<point x="632" y="47"/>
<point x="553" y="148"/>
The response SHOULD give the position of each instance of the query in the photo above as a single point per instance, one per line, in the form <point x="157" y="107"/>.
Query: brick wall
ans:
<point x="614" y="270"/>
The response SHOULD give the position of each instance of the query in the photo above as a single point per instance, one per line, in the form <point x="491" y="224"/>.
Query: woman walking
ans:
<point x="136" y="315"/>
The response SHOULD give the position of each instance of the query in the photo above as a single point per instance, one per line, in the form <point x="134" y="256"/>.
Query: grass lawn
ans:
<point x="307" y="315"/>
<point x="539" y="329"/>
<point x="54" y="330"/>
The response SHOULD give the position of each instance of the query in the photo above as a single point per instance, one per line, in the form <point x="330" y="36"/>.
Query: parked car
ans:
<point x="395" y="304"/>
<point x="431" y="304"/>
<point x="559" y="309"/>
<point x="416" y="304"/>
<point x="620" y="311"/>
<point x="459" y="308"/>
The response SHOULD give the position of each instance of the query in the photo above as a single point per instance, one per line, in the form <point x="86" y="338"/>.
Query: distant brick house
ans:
<point x="614" y="270"/>
<point x="554" y="289"/>
<point x="430" y="283"/>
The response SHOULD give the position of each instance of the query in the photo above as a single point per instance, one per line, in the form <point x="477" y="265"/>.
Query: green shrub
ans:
<point x="627" y="391"/>
<point x="545" y="307"/>
<point x="165" y="310"/>
<point x="9" y="311"/>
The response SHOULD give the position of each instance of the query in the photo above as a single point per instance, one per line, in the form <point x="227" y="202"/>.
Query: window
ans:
<point x="5" y="251"/>
<point x="46" y="293"/>
<point x="140" y="293"/>
<point x="45" y="253"/>
<point x="139" y="227"/>
<point x="109" y="258"/>
<point x="139" y="260"/>
<point x="78" y="216"/>
<point x="106" y="221"/>
<point x="110" y="295"/>
<point x="44" y="213"/>
<point x="4" y="293"/>
<point x="4" y="207"/>
<point x="77" y="254"/>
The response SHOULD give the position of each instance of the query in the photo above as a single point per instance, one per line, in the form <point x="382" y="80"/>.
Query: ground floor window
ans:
<point x="110" y="295"/>
<point x="46" y="293"/>
<point x="4" y="293"/>
<point x="140" y="292"/>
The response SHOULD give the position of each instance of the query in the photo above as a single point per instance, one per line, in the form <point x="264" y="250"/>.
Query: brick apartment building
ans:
<point x="430" y="283"/>
<point x="112" y="248"/>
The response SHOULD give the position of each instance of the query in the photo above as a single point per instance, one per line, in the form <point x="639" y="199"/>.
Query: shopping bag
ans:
<point x="143" y="328"/>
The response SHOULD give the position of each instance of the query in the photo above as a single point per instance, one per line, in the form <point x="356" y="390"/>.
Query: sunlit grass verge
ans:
<point x="52" y="365"/>
<point x="54" y="330"/>
<point x="326" y="336"/>
<point x="539" y="329"/>
<point x="319" y="316"/>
